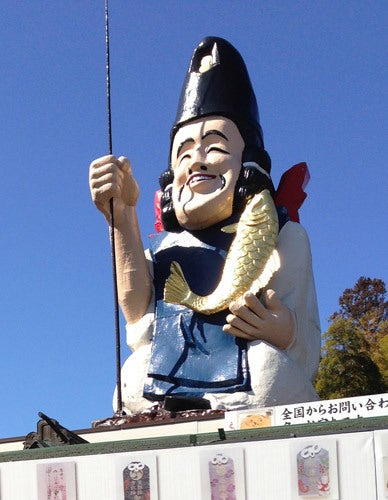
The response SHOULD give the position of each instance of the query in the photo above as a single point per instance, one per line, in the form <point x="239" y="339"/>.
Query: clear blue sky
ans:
<point x="320" y="74"/>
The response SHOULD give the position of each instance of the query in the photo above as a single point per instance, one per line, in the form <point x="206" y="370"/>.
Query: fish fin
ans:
<point x="176" y="289"/>
<point x="231" y="228"/>
<point x="272" y="265"/>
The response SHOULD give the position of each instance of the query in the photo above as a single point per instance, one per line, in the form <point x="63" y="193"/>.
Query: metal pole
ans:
<point x="111" y="225"/>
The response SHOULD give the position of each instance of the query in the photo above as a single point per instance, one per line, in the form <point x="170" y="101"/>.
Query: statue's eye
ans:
<point x="216" y="149"/>
<point x="184" y="157"/>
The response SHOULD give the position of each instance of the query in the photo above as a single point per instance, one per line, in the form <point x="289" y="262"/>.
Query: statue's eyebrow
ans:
<point x="188" y="140"/>
<point x="206" y="134"/>
<point x="214" y="132"/>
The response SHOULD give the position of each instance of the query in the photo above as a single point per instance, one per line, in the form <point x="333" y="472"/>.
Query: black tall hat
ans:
<point x="217" y="83"/>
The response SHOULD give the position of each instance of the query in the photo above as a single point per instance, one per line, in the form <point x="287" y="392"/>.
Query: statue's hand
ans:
<point x="251" y="320"/>
<point x="111" y="177"/>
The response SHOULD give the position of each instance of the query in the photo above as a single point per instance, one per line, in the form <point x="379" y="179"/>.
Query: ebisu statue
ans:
<point x="221" y="310"/>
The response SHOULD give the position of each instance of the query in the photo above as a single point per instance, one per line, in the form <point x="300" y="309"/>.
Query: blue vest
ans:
<point x="191" y="355"/>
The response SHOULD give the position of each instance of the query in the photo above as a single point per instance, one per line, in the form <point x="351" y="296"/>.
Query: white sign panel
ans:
<point x="305" y="413"/>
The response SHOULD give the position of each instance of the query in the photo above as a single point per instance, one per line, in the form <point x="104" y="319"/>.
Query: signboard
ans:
<point x="306" y="413"/>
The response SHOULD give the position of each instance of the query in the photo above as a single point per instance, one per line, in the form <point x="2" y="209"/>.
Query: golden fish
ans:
<point x="251" y="261"/>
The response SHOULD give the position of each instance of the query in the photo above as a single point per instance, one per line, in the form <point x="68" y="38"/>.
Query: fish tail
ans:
<point x="176" y="289"/>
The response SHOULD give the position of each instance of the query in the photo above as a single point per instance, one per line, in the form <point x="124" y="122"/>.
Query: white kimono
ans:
<point x="277" y="377"/>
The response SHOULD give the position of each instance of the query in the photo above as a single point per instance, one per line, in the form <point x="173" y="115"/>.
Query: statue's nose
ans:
<point x="194" y="168"/>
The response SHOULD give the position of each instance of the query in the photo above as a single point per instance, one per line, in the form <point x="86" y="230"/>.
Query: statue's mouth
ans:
<point x="199" y="177"/>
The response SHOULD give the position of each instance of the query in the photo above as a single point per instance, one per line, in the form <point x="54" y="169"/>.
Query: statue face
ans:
<point x="206" y="160"/>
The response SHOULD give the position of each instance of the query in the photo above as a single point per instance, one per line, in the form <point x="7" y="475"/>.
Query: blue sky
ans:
<point x="319" y="72"/>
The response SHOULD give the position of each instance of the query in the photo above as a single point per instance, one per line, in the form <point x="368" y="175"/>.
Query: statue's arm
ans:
<point x="111" y="177"/>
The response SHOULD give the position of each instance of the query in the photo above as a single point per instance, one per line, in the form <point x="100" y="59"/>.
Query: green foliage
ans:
<point x="355" y="351"/>
<point x="365" y="305"/>
<point x="380" y="353"/>
<point x="347" y="368"/>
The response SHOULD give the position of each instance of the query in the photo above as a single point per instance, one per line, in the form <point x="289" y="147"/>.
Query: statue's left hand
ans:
<point x="251" y="320"/>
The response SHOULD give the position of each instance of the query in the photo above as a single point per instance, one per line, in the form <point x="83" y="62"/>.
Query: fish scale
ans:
<point x="249" y="265"/>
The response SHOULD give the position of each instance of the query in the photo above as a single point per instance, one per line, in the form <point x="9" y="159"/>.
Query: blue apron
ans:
<point x="191" y="355"/>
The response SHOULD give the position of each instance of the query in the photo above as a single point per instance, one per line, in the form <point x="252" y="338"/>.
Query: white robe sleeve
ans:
<point x="294" y="285"/>
<point x="284" y="377"/>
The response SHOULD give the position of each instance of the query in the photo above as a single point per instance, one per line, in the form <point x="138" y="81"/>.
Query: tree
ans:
<point x="347" y="368"/>
<point x="380" y="354"/>
<point x="355" y="352"/>
<point x="365" y="305"/>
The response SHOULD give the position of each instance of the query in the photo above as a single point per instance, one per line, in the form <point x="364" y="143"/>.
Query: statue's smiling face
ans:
<point x="206" y="160"/>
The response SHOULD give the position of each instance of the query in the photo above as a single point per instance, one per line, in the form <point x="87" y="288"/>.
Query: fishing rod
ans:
<point x="119" y="411"/>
